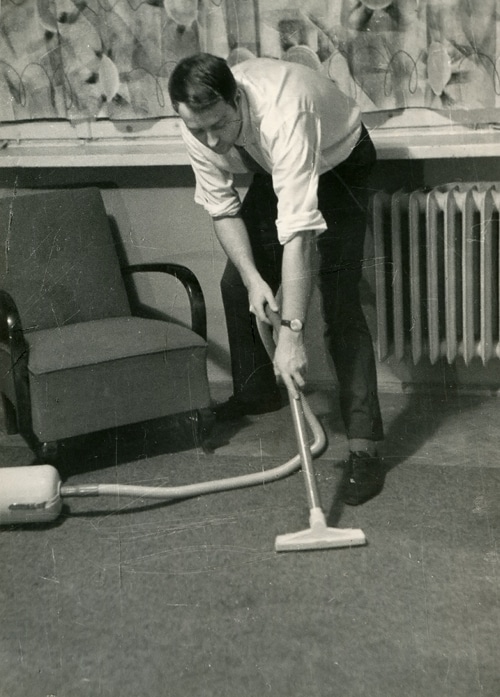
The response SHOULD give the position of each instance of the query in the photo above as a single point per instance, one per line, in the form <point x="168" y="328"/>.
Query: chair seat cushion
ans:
<point x="110" y="372"/>
<point x="105" y="340"/>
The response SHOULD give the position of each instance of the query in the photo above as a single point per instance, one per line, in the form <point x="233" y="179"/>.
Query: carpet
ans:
<point x="128" y="598"/>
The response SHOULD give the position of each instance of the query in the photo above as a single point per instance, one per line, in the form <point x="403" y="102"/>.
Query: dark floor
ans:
<point x="190" y="599"/>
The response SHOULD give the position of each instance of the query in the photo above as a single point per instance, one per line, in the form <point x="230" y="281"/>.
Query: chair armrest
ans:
<point x="190" y="283"/>
<point x="11" y="334"/>
<point x="11" y="331"/>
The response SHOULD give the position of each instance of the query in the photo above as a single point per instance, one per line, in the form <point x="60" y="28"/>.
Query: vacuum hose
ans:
<point x="209" y="487"/>
<point x="35" y="493"/>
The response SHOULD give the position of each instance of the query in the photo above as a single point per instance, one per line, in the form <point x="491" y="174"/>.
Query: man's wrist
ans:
<point x="288" y="336"/>
<point x="250" y="277"/>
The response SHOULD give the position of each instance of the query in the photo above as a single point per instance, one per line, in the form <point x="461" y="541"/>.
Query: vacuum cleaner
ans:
<point x="35" y="493"/>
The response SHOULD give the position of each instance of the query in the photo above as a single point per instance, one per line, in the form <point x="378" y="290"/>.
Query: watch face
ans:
<point x="296" y="325"/>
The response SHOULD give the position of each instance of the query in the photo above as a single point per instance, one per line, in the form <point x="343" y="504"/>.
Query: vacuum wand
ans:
<point x="318" y="535"/>
<point x="304" y="452"/>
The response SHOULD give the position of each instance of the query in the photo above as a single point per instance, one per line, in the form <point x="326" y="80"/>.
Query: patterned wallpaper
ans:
<point x="88" y="59"/>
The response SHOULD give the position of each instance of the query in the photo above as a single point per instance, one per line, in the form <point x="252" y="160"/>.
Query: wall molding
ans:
<point x="405" y="135"/>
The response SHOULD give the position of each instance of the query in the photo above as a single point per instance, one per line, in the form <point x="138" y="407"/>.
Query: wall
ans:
<point x="158" y="220"/>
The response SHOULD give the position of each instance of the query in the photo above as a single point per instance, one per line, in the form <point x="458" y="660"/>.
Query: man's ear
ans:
<point x="237" y="98"/>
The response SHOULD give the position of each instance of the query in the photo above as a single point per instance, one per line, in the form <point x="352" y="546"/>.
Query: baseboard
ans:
<point x="223" y="388"/>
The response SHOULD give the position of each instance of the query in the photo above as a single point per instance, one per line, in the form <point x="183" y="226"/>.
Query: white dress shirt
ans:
<point x="297" y="124"/>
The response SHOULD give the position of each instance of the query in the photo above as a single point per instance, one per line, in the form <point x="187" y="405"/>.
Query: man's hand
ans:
<point x="259" y="296"/>
<point x="290" y="360"/>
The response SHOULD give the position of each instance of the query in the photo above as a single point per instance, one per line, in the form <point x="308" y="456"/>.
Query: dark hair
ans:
<point x="200" y="81"/>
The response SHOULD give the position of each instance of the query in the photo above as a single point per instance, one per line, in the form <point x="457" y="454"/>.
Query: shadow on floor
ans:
<point x="422" y="426"/>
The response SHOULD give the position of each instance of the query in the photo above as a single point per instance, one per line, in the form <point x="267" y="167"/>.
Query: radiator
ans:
<point x="437" y="275"/>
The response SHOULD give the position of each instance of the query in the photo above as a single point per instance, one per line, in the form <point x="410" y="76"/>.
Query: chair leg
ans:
<point x="48" y="452"/>
<point x="10" y="416"/>
<point x="204" y="420"/>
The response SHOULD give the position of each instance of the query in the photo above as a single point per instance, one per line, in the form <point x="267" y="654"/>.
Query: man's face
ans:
<point x="216" y="127"/>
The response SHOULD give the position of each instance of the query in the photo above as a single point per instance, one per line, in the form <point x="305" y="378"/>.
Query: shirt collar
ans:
<point x="246" y="136"/>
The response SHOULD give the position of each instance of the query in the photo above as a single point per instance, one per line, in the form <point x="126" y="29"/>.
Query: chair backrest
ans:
<point x="58" y="258"/>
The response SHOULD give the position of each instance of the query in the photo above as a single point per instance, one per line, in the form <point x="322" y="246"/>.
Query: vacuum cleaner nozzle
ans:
<point x="319" y="536"/>
<point x="29" y="494"/>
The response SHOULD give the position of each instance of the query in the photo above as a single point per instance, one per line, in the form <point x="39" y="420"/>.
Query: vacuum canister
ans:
<point x="29" y="494"/>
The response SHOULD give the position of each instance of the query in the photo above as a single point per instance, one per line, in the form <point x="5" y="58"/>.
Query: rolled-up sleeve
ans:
<point x="215" y="189"/>
<point x="296" y="153"/>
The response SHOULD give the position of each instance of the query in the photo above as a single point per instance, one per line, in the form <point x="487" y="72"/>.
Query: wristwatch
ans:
<point x="296" y="325"/>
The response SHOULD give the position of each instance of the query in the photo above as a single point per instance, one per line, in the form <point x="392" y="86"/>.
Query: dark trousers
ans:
<point x="342" y="199"/>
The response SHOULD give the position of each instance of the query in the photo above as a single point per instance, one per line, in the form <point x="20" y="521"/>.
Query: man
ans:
<point x="311" y="156"/>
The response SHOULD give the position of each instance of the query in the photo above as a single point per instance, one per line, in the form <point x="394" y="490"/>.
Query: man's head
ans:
<point x="204" y="93"/>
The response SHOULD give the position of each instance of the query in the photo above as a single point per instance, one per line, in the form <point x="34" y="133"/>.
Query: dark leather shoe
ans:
<point x="236" y="407"/>
<point x="363" y="479"/>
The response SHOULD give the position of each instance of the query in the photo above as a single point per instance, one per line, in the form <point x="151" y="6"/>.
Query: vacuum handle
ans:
<point x="274" y="318"/>
<point x="266" y="330"/>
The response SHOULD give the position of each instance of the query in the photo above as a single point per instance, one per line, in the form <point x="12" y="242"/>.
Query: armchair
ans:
<point x="74" y="357"/>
